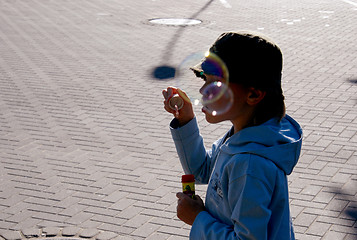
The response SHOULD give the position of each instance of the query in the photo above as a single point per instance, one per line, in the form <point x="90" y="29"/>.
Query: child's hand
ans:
<point x="183" y="115"/>
<point x="188" y="208"/>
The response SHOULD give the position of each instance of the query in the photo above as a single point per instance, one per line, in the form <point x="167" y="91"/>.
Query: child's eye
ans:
<point x="200" y="75"/>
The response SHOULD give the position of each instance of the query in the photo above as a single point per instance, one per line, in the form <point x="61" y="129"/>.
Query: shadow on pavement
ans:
<point x="350" y="210"/>
<point x="353" y="80"/>
<point x="163" y="72"/>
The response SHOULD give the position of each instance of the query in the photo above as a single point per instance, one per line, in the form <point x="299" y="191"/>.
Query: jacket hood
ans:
<point x="280" y="142"/>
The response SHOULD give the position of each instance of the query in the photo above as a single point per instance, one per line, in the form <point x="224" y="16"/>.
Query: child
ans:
<point x="246" y="170"/>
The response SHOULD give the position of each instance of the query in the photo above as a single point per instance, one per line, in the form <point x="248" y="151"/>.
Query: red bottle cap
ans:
<point x="188" y="178"/>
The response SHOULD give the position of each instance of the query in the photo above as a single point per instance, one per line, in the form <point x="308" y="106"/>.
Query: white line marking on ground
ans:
<point x="350" y="2"/>
<point x="225" y="3"/>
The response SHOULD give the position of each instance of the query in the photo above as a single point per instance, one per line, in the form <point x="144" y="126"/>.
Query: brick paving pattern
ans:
<point x="85" y="149"/>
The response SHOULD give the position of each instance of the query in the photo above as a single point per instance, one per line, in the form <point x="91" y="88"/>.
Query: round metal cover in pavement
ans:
<point x="56" y="238"/>
<point x="175" y="21"/>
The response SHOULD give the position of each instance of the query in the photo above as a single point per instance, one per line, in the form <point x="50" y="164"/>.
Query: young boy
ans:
<point x="246" y="170"/>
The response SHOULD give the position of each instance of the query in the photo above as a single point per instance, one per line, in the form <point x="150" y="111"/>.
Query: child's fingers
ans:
<point x="180" y="195"/>
<point x="164" y="93"/>
<point x="198" y="198"/>
<point x="169" y="92"/>
<point x="168" y="108"/>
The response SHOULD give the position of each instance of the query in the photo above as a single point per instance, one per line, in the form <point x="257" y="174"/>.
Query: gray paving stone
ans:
<point x="31" y="232"/>
<point x="318" y="228"/>
<point x="11" y="235"/>
<point x="70" y="231"/>
<point x="51" y="231"/>
<point x="123" y="238"/>
<point x="350" y="236"/>
<point x="89" y="233"/>
<point x="305" y="220"/>
<point x="106" y="236"/>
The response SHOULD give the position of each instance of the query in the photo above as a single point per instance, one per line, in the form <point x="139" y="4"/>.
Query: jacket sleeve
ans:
<point x="191" y="150"/>
<point x="249" y="200"/>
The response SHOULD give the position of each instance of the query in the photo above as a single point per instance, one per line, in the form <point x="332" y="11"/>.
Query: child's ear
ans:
<point x="255" y="96"/>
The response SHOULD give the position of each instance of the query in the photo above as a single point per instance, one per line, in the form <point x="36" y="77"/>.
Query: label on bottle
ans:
<point x="188" y="188"/>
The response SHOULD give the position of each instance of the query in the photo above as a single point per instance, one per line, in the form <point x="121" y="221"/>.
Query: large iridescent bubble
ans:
<point x="205" y="79"/>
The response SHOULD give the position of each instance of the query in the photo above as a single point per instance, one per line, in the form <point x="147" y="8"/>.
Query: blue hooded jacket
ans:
<point x="247" y="194"/>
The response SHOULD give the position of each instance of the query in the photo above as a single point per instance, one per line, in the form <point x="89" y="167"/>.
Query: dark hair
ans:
<point x="272" y="105"/>
<point x="254" y="61"/>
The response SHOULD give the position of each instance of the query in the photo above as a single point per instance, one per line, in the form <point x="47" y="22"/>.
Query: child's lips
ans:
<point x="205" y="110"/>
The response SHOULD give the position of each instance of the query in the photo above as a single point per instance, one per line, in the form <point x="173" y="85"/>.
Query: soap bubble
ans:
<point x="205" y="79"/>
<point x="217" y="98"/>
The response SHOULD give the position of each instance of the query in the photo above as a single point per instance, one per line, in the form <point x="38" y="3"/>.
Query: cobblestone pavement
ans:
<point x="85" y="149"/>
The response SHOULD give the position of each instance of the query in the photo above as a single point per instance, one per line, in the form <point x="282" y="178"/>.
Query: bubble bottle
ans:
<point x="188" y="185"/>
